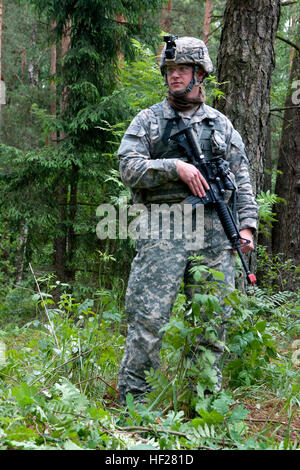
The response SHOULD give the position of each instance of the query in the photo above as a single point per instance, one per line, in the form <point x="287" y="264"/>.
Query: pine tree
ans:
<point x="285" y="233"/>
<point x="63" y="184"/>
<point x="245" y="64"/>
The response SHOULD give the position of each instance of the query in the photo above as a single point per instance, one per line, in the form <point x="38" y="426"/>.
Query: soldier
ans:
<point x="157" y="172"/>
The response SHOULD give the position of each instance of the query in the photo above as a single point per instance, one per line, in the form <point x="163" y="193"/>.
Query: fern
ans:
<point x="269" y="301"/>
<point x="160" y="385"/>
<point x="204" y="431"/>
<point x="266" y="201"/>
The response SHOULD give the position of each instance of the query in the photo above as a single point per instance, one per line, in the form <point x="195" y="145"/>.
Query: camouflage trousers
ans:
<point x="155" y="280"/>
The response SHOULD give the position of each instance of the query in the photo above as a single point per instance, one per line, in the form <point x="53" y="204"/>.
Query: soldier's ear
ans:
<point x="200" y="74"/>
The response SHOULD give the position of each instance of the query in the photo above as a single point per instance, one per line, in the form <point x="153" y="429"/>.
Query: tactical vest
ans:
<point x="163" y="148"/>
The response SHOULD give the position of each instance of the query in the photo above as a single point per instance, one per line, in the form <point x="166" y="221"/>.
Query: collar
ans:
<point x="204" y="111"/>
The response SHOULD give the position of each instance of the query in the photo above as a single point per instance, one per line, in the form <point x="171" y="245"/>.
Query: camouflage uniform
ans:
<point x="148" y="167"/>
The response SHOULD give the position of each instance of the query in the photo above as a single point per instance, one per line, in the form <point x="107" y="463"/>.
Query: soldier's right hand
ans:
<point x="190" y="175"/>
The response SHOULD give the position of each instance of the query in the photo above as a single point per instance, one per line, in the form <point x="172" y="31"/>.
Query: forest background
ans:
<point x="73" y="75"/>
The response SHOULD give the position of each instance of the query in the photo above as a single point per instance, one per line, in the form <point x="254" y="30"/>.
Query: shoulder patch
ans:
<point x="135" y="129"/>
<point x="237" y="141"/>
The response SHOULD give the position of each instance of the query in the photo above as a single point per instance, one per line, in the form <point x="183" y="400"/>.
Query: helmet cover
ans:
<point x="189" y="51"/>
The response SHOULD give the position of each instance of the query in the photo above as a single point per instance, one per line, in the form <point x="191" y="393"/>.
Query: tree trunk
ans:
<point x="65" y="44"/>
<point x="293" y="23"/>
<point x="33" y="67"/>
<point x="166" y="21"/>
<point x="265" y="239"/>
<point x="286" y="231"/>
<point x="60" y="242"/>
<point x="53" y="86"/>
<point x="70" y="268"/>
<point x="245" y="64"/>
<point x="121" y="20"/>
<point x="206" y="25"/>
<point x="21" y="252"/>
<point x="0" y="59"/>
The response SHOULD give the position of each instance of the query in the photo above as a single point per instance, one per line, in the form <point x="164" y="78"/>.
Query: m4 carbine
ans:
<point x="216" y="173"/>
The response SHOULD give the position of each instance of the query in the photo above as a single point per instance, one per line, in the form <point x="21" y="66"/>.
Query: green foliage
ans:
<point x="54" y="188"/>
<point x="266" y="201"/>
<point x="25" y="65"/>
<point x="59" y="392"/>
<point x="186" y="18"/>
<point x="58" y="373"/>
<point x="141" y="80"/>
<point x="273" y="270"/>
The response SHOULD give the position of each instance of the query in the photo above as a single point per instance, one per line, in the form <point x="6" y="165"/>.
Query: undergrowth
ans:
<point x="58" y="374"/>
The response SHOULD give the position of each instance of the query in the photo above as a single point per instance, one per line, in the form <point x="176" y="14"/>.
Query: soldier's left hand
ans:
<point x="248" y="235"/>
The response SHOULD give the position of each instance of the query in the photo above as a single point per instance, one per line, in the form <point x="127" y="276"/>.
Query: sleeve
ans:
<point x="247" y="207"/>
<point x="137" y="169"/>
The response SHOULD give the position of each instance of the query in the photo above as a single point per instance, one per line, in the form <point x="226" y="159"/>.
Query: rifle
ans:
<point x="216" y="173"/>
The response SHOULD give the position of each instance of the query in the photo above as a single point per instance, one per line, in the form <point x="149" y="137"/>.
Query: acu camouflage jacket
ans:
<point x="148" y="163"/>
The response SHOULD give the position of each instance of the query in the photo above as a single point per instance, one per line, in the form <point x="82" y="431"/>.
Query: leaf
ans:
<point x="196" y="422"/>
<point x="238" y="414"/>
<point x="196" y="309"/>
<point x="130" y="402"/>
<point x="143" y="447"/>
<point x="70" y="445"/>
<point x="211" y="301"/>
<point x="238" y="429"/>
<point x="217" y="275"/>
<point x="71" y="395"/>
<point x="24" y="394"/>
<point x="222" y="404"/>
<point x="261" y="326"/>
<point x="197" y="276"/>
<point x="84" y="307"/>
<point x="39" y="297"/>
<point x="21" y="433"/>
<point x="29" y="445"/>
<point x="213" y="417"/>
<point x="204" y="431"/>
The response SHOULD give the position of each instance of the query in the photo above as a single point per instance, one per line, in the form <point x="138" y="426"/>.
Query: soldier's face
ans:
<point x="179" y="76"/>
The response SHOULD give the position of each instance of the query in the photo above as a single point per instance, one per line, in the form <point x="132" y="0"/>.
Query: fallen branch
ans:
<point x="9" y="377"/>
<point x="151" y="430"/>
<point x="138" y="429"/>
<point x="273" y="421"/>
<point x="102" y="380"/>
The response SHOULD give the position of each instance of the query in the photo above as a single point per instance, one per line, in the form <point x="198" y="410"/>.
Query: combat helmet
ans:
<point x="188" y="51"/>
